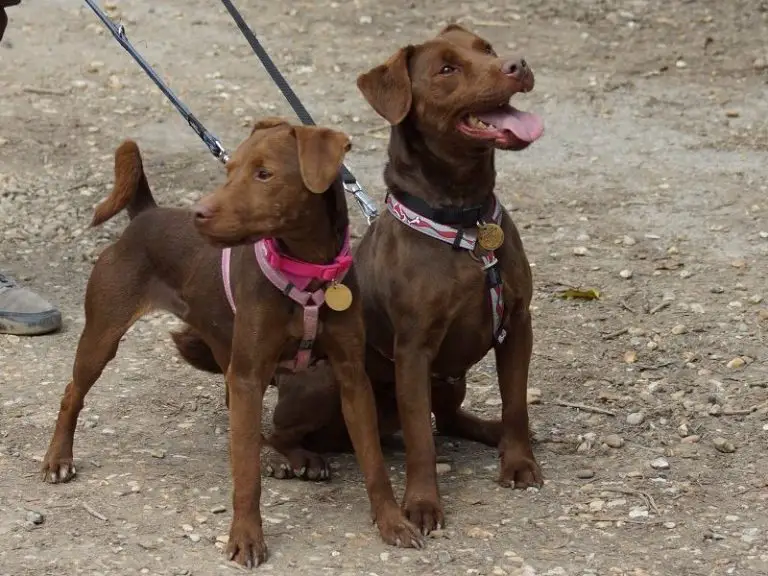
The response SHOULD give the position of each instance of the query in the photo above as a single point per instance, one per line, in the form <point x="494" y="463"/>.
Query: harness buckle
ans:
<point x="494" y="276"/>
<point x="306" y="344"/>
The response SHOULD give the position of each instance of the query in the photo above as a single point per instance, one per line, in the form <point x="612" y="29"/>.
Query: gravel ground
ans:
<point x="650" y="405"/>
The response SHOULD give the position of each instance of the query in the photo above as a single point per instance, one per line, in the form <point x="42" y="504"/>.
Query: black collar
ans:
<point x="448" y="215"/>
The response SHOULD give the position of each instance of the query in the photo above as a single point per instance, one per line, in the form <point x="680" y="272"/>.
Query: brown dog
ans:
<point x="282" y="183"/>
<point x="443" y="275"/>
<point x="462" y="283"/>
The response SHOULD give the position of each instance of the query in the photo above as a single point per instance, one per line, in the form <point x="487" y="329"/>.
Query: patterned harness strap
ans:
<point x="462" y="239"/>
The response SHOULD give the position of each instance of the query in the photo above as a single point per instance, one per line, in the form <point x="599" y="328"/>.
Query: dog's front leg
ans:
<point x="413" y="359"/>
<point x="249" y="373"/>
<point x="518" y="464"/>
<point x="346" y="351"/>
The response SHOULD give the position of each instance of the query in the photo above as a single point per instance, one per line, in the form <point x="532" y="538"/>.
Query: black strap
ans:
<point x="277" y="77"/>
<point x="447" y="215"/>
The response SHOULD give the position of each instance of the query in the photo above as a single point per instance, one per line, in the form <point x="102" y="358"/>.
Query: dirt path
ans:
<point x="650" y="185"/>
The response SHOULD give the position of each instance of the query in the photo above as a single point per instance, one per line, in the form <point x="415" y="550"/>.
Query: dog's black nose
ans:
<point x="515" y="68"/>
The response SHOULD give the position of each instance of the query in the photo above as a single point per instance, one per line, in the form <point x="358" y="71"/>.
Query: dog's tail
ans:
<point x="131" y="189"/>
<point x="194" y="350"/>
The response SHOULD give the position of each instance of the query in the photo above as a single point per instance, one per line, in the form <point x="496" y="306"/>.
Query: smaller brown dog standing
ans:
<point x="282" y="183"/>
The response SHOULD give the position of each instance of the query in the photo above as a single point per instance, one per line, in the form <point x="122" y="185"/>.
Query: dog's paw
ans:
<point x="425" y="513"/>
<point x="246" y="544"/>
<point x="298" y="463"/>
<point x="396" y="530"/>
<point x="520" y="472"/>
<point x="56" y="471"/>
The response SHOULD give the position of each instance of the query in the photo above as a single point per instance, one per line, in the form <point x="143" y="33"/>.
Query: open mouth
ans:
<point x="505" y="125"/>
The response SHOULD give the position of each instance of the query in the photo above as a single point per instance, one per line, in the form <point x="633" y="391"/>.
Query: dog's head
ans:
<point x="457" y="89"/>
<point x="277" y="184"/>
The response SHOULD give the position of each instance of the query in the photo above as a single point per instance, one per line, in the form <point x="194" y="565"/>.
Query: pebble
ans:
<point x="628" y="241"/>
<point x="630" y="357"/>
<point x="585" y="474"/>
<point x="35" y="518"/>
<point x="218" y="509"/>
<point x="194" y="537"/>
<point x="670" y="525"/>
<point x="534" y="395"/>
<point x="679" y="329"/>
<point x="626" y="274"/>
<point x="614" y="441"/>
<point x="384" y="556"/>
<point x="580" y="251"/>
<point x="636" y="418"/>
<point x="715" y="410"/>
<point x="660" y="464"/>
<point x="444" y="557"/>
<point x="158" y="454"/>
<point x="187" y="527"/>
<point x="736" y="363"/>
<point x="723" y="445"/>
<point x="222" y="538"/>
<point x="442" y="468"/>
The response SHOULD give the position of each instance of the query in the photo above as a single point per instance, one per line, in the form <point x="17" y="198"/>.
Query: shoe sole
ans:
<point x="30" y="324"/>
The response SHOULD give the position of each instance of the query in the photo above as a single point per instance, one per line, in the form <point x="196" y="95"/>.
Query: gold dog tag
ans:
<point x="490" y="236"/>
<point x="338" y="297"/>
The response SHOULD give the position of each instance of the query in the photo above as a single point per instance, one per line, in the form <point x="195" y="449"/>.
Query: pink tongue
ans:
<point x="526" y="126"/>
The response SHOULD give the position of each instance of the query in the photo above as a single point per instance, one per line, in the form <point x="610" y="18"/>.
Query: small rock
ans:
<point x="660" y="464"/>
<point x="626" y="274"/>
<point x="95" y="66"/>
<point x="692" y="439"/>
<point x="35" y="518"/>
<point x="732" y="113"/>
<point x="585" y="474"/>
<point x="444" y="557"/>
<point x="222" y="538"/>
<point x="534" y="395"/>
<point x="614" y="441"/>
<point x="736" y="363"/>
<point x="630" y="357"/>
<point x="638" y="513"/>
<point x="628" y="241"/>
<point x="679" y="329"/>
<point x="760" y="64"/>
<point x="635" y="419"/>
<point x="723" y="445"/>
<point x="715" y="410"/>
<point x="384" y="556"/>
<point x="580" y="251"/>
<point x="442" y="468"/>
<point x="157" y="454"/>
<point x="755" y="299"/>
<point x="669" y="525"/>
<point x="218" y="509"/>
<point x="498" y="571"/>
<point x="194" y="537"/>
<point x="681" y="64"/>
<point x="477" y="532"/>
<point x="187" y="527"/>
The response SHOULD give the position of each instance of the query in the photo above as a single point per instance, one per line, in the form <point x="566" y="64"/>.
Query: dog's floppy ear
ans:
<point x="321" y="153"/>
<point x="387" y="87"/>
<point x="268" y="122"/>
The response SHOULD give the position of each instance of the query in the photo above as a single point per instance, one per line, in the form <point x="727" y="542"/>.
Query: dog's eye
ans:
<point x="448" y="69"/>
<point x="262" y="174"/>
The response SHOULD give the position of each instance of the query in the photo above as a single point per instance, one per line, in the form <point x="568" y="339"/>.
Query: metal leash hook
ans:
<point x="213" y="143"/>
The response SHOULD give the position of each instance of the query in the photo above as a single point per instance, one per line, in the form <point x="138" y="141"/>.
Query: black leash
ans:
<point x="214" y="145"/>
<point x="207" y="137"/>
<point x="350" y="182"/>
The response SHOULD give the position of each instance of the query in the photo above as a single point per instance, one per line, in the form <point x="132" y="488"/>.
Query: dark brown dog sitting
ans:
<point x="443" y="275"/>
<point x="282" y="184"/>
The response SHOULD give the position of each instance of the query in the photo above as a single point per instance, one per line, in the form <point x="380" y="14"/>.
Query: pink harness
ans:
<point x="292" y="277"/>
<point x="465" y="240"/>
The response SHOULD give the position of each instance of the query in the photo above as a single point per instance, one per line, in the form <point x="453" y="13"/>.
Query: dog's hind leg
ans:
<point x="115" y="299"/>
<point x="452" y="420"/>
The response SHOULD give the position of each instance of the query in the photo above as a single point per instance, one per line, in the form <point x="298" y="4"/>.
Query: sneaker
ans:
<point x="24" y="313"/>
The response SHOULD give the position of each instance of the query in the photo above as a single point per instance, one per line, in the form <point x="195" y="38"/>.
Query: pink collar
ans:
<point x="301" y="273"/>
<point x="292" y="277"/>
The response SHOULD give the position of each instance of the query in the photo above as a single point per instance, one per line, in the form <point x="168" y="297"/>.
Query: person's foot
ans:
<point x="24" y="313"/>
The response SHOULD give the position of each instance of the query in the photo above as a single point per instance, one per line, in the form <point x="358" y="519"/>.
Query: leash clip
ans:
<point x="363" y="200"/>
